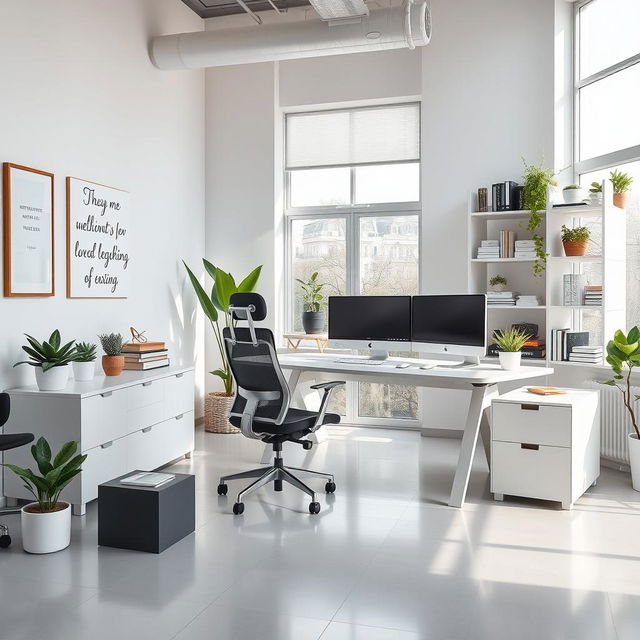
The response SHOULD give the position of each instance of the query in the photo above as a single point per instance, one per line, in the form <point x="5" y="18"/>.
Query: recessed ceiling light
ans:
<point x="373" y="35"/>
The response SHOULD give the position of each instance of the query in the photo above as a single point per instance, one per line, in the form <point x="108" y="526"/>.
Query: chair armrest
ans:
<point x="328" y="385"/>
<point x="328" y="388"/>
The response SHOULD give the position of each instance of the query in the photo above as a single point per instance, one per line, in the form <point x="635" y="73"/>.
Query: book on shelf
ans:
<point x="564" y="341"/>
<point x="155" y="358"/>
<point x="572" y="289"/>
<point x="144" y="355"/>
<point x="145" y="366"/>
<point x="528" y="301"/>
<point x="143" y="346"/>
<point x="501" y="298"/>
<point x="503" y="196"/>
<point x="507" y="244"/>
<point x="533" y="353"/>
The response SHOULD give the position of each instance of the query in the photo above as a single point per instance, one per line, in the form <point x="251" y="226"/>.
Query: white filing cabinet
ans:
<point x="545" y="447"/>
<point x="137" y="420"/>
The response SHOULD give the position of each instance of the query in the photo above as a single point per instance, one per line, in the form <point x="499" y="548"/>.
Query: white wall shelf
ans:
<point x="540" y="307"/>
<point x="502" y="260"/>
<point x="501" y="215"/>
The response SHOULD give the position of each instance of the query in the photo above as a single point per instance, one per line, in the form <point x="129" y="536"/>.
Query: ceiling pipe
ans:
<point x="397" y="27"/>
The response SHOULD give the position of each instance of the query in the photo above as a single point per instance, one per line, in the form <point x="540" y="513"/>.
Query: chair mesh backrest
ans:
<point x="255" y="368"/>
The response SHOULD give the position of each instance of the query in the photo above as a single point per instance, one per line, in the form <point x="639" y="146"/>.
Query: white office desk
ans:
<point x="482" y="381"/>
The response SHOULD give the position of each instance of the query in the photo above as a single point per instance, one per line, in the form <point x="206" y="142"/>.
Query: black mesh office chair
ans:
<point x="261" y="407"/>
<point x="9" y="442"/>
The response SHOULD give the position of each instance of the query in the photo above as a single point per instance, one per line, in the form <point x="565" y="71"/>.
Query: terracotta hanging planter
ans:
<point x="620" y="200"/>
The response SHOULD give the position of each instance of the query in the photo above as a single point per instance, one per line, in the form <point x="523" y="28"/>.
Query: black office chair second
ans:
<point x="261" y="407"/>
<point x="7" y="442"/>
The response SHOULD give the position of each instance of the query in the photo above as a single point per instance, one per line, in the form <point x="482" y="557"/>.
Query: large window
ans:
<point x="352" y="208"/>
<point x="607" y="101"/>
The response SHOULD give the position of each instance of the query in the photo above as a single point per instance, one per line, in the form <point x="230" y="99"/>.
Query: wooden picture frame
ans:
<point x="29" y="250"/>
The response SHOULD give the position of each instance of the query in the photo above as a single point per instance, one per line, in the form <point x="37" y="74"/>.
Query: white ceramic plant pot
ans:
<point x="572" y="196"/>
<point x="45" y="532"/>
<point x="596" y="199"/>
<point x="634" y="460"/>
<point x="509" y="360"/>
<point x="498" y="287"/>
<point x="54" y="379"/>
<point x="84" y="371"/>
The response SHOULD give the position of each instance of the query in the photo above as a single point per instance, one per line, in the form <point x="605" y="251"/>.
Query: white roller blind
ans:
<point x="353" y="137"/>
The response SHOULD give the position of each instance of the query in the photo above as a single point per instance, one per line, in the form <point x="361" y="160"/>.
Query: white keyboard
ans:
<point x="359" y="362"/>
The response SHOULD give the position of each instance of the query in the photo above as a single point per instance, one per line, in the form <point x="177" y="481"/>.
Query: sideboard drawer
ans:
<point x="104" y="418"/>
<point x="179" y="394"/>
<point x="103" y="463"/>
<point x="145" y="394"/>
<point x="531" y="422"/>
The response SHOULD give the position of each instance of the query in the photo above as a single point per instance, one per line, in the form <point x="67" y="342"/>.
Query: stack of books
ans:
<point x="590" y="355"/>
<point x="501" y="298"/>
<point x="593" y="296"/>
<point x="528" y="301"/>
<point x="572" y="289"/>
<point x="533" y="349"/>
<point x="507" y="244"/>
<point x="142" y="356"/>
<point x="565" y="341"/>
<point x="489" y="250"/>
<point x="525" y="249"/>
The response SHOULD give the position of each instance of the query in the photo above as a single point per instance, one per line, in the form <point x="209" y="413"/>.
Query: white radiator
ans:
<point x="615" y="423"/>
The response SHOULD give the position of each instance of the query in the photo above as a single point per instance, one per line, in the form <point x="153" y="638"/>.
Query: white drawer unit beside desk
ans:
<point x="481" y="380"/>
<point x="545" y="447"/>
<point x="137" y="420"/>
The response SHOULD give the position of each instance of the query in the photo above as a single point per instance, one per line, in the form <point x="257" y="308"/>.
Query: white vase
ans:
<point x="634" y="460"/>
<point x="572" y="196"/>
<point x="498" y="287"/>
<point x="45" y="532"/>
<point x="596" y="199"/>
<point x="54" y="379"/>
<point x="509" y="360"/>
<point x="84" y="371"/>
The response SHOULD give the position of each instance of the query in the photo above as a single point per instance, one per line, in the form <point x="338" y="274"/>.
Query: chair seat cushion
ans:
<point x="296" y="421"/>
<point x="14" y="440"/>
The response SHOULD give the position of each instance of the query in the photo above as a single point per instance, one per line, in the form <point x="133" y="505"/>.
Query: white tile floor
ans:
<point x="384" y="560"/>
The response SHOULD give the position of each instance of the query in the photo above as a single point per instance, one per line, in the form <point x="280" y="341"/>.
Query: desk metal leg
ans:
<point x="481" y="397"/>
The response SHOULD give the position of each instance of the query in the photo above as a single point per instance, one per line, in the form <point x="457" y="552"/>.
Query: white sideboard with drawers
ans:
<point x="137" y="420"/>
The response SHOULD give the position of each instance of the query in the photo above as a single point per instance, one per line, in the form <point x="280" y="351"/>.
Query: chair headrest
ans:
<point x="246" y="300"/>
<point x="5" y="408"/>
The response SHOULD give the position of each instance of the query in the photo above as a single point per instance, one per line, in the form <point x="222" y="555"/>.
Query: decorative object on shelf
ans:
<point x="623" y="354"/>
<point x="572" y="194"/>
<point x="138" y="336"/>
<point x="224" y="286"/>
<point x="573" y="289"/>
<point x="537" y="181"/>
<point x="98" y="240"/>
<point x="314" y="304"/>
<point x="510" y="342"/>
<point x="84" y="366"/>
<point x="46" y="523"/>
<point x="595" y="194"/>
<point x="498" y="283"/>
<point x="142" y="355"/>
<point x="483" y="205"/>
<point x="51" y="361"/>
<point x="112" y="360"/>
<point x="28" y="232"/>
<point x="621" y="183"/>
<point x="575" y="240"/>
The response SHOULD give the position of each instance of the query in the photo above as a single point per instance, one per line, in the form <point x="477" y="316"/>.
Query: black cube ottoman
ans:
<point x="146" y="518"/>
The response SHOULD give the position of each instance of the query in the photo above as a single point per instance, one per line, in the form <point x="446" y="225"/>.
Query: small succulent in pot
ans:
<point x="510" y="342"/>
<point x="84" y="361"/>
<point x="595" y="193"/>
<point x="113" y="360"/>
<point x="498" y="283"/>
<point x="621" y="183"/>
<point x="575" y="240"/>
<point x="572" y="194"/>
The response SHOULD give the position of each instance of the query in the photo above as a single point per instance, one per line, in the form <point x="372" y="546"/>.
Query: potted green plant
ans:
<point x="50" y="360"/>
<point x="510" y="342"/>
<point x="621" y="183"/>
<point x="537" y="181"/>
<point x="572" y="194"/>
<point x="498" y="283"/>
<point x="216" y="307"/>
<point x="314" y="304"/>
<point x="575" y="240"/>
<point x="623" y="354"/>
<point x="112" y="360"/>
<point x="84" y="367"/>
<point x="595" y="193"/>
<point x="46" y="523"/>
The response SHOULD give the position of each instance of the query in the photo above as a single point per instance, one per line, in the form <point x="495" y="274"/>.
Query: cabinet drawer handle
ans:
<point x="530" y="447"/>
<point x="530" y="407"/>
<point x="179" y="375"/>
<point x="106" y="445"/>
<point x="180" y="416"/>
<point x="147" y="384"/>
<point x="106" y="394"/>
<point x="147" y="429"/>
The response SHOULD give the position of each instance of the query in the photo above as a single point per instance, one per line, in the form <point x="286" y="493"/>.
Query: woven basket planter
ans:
<point x="216" y="409"/>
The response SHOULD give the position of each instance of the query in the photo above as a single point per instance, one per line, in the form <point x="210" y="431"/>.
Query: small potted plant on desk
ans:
<point x="572" y="194"/>
<point x="84" y="367"/>
<point x="112" y="360"/>
<point x="575" y="241"/>
<point x="623" y="354"/>
<point x="51" y="361"/>
<point x="510" y="342"/>
<point x="621" y="183"/>
<point x="314" y="303"/>
<point x="46" y="523"/>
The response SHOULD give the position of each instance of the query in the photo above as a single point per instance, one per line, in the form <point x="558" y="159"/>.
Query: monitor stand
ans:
<point x="467" y="363"/>
<point x="374" y="354"/>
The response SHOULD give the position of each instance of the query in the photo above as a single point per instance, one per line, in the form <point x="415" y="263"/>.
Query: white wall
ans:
<point x="80" y="97"/>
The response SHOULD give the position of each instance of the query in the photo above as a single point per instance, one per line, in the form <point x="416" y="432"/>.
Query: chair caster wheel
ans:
<point x="238" y="508"/>
<point x="307" y="444"/>
<point x="314" y="507"/>
<point x="5" y="541"/>
<point x="222" y="489"/>
<point x="330" y="487"/>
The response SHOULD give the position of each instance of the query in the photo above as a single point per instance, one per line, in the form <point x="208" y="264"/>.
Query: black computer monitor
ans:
<point x="377" y="323"/>
<point x="454" y="324"/>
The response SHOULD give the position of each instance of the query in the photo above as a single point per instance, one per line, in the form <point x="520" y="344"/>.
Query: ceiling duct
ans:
<point x="396" y="27"/>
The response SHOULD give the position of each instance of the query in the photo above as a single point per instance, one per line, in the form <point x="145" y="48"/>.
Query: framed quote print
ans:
<point x="28" y="231"/>
<point x="98" y="241"/>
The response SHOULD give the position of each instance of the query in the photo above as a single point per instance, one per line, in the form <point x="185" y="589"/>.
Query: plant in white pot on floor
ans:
<point x="50" y="360"/>
<point x="623" y="354"/>
<point x="510" y="342"/>
<point x="84" y="361"/>
<point x="46" y="523"/>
